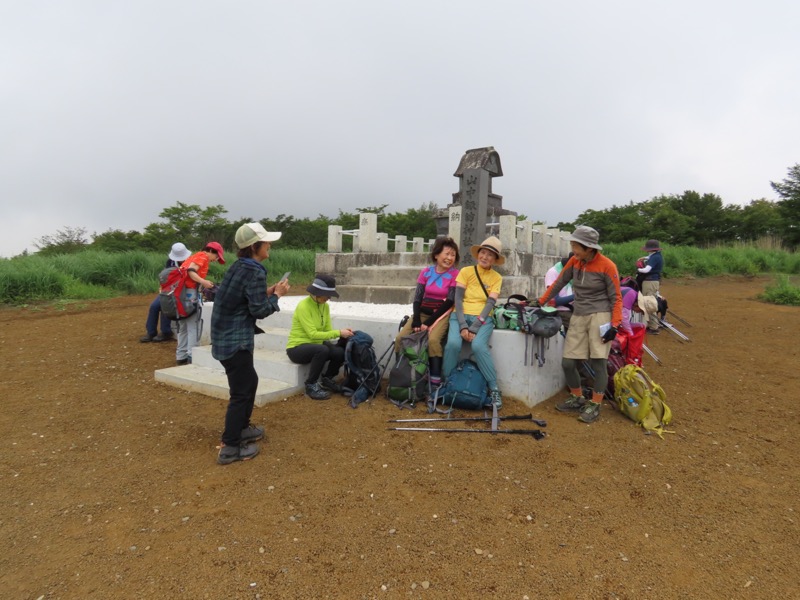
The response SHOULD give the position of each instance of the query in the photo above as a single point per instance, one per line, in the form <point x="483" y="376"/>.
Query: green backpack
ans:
<point x="642" y="399"/>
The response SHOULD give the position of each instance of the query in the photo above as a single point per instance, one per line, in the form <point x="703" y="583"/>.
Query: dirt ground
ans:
<point x="111" y="490"/>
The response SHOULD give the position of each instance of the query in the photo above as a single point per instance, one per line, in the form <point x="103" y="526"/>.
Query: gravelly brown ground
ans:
<point x="110" y="487"/>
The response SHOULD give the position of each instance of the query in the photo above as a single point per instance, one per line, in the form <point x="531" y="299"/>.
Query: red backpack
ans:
<point x="174" y="302"/>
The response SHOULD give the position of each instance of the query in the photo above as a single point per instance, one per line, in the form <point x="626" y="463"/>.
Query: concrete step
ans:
<point x="273" y="338"/>
<point x="213" y="382"/>
<point x="384" y="294"/>
<point x="269" y="364"/>
<point x="382" y="276"/>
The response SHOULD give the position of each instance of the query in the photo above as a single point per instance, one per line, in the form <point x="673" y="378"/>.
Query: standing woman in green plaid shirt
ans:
<point x="242" y="298"/>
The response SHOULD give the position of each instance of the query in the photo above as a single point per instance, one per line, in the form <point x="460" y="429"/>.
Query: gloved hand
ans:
<point x="609" y="335"/>
<point x="535" y="303"/>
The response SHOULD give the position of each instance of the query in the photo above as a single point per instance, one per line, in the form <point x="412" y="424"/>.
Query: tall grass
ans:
<point x="683" y="261"/>
<point x="96" y="275"/>
<point x="782" y="292"/>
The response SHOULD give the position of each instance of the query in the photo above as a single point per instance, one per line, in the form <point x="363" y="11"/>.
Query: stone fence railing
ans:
<point x="520" y="236"/>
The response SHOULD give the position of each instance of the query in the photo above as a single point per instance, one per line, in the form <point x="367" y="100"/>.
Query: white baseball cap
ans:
<point x="250" y="233"/>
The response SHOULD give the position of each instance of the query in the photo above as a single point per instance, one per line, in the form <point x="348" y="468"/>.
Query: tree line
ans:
<point x="690" y="218"/>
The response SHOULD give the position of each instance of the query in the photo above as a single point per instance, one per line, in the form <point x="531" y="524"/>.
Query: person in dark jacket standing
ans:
<point x="650" y="269"/>
<point x="242" y="298"/>
<point x="597" y="316"/>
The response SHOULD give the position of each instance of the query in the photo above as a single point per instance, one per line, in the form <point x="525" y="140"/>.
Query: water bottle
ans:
<point x="632" y="402"/>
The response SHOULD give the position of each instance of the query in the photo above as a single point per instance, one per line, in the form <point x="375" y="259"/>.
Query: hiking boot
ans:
<point x="230" y="454"/>
<point x="183" y="361"/>
<point x="653" y="331"/>
<point x="163" y="337"/>
<point x="315" y="392"/>
<point x="496" y="398"/>
<point x="572" y="404"/>
<point x="589" y="413"/>
<point x="147" y="338"/>
<point x="252" y="433"/>
<point x="329" y="384"/>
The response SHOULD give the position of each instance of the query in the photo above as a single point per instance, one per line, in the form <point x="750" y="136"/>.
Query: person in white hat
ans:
<point x="242" y="298"/>
<point x="596" y="317"/>
<point x="177" y="254"/>
<point x="477" y="291"/>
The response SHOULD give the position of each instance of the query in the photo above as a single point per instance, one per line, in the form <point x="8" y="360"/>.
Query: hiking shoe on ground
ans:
<point x="496" y="398"/>
<point x="162" y="337"/>
<point x="252" y="433"/>
<point x="230" y="454"/>
<point x="653" y="331"/>
<point x="183" y="361"/>
<point x="589" y="413"/>
<point x="315" y="392"/>
<point x="329" y="384"/>
<point x="572" y="404"/>
<point x="147" y="338"/>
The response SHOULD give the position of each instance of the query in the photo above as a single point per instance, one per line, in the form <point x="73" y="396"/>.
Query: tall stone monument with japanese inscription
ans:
<point x="474" y="205"/>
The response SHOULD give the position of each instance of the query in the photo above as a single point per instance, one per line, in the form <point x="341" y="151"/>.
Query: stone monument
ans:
<point x="478" y="205"/>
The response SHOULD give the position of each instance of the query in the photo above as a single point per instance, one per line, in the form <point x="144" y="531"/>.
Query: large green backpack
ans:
<point x="642" y="399"/>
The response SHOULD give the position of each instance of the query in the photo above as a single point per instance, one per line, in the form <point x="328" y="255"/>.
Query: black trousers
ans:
<point x="317" y="355"/>
<point x="243" y="383"/>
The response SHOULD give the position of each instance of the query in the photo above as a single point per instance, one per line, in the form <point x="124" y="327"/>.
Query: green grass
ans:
<point x="782" y="292"/>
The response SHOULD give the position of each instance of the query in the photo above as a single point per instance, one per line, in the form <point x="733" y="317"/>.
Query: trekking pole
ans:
<point x="535" y="433"/>
<point x="527" y="417"/>
<point x="383" y="370"/>
<point x="673" y="330"/>
<point x="684" y="321"/>
<point x="652" y="354"/>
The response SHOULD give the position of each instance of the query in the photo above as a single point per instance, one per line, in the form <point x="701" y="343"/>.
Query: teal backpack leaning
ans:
<point x="465" y="388"/>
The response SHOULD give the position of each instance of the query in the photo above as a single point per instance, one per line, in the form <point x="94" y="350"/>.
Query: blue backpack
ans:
<point x="362" y="372"/>
<point x="465" y="388"/>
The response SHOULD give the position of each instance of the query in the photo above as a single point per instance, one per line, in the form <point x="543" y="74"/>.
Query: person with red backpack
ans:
<point x="196" y="271"/>
<point x="175" y="258"/>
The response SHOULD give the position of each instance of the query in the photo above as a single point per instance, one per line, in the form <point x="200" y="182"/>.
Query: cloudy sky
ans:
<point x="113" y="109"/>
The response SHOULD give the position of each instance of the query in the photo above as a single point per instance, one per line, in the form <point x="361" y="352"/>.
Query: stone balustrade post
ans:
<point x="400" y="243"/>
<point x="417" y="244"/>
<point x="367" y="232"/>
<point x="508" y="231"/>
<point x="525" y="236"/>
<point x="334" y="238"/>
<point x="454" y="224"/>
<point x="382" y="243"/>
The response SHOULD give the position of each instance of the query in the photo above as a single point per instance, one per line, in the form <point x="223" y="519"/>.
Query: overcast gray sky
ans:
<point x="114" y="110"/>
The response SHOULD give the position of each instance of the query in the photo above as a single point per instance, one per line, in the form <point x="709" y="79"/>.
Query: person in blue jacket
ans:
<point x="650" y="269"/>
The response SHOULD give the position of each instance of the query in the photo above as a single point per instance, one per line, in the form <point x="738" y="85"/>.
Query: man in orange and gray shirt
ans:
<point x="597" y="316"/>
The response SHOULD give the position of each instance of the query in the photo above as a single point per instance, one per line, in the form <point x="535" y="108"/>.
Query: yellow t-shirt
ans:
<point x="474" y="298"/>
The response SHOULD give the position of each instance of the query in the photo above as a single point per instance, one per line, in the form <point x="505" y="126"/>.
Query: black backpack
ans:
<point x="408" y="378"/>
<point x="361" y="369"/>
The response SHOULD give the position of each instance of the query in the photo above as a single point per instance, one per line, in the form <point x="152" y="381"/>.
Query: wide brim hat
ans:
<point x="648" y="304"/>
<point x="217" y="247"/>
<point x="250" y="233"/>
<point x="651" y="246"/>
<point x="179" y="252"/>
<point x="586" y="236"/>
<point x="323" y="285"/>
<point x="490" y="243"/>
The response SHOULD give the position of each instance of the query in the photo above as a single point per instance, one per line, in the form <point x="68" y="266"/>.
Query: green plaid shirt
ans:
<point x="240" y="301"/>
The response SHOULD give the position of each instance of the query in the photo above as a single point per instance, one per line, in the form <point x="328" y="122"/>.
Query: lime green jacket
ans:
<point x="311" y="324"/>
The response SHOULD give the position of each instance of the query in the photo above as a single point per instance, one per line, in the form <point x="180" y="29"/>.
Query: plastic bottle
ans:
<point x="632" y="402"/>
